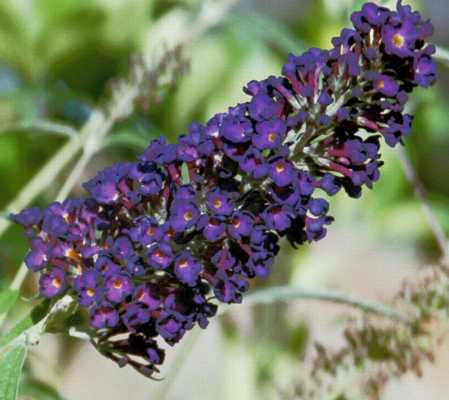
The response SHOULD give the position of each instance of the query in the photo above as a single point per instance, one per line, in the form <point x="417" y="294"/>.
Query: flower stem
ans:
<point x="285" y="293"/>
<point x="421" y="196"/>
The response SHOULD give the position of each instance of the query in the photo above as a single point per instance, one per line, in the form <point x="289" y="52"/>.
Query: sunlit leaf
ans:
<point x="36" y="315"/>
<point x="7" y="299"/>
<point x="11" y="365"/>
<point x="267" y="29"/>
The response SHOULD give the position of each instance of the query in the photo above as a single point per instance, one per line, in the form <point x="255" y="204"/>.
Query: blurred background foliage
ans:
<point x="58" y="59"/>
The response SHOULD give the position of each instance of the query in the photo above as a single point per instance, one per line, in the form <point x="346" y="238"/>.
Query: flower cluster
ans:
<point x="160" y="239"/>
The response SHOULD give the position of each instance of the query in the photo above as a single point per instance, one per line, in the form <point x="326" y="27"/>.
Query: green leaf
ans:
<point x="266" y="29"/>
<point x="36" y="315"/>
<point x="8" y="298"/>
<point x="38" y="390"/>
<point x="11" y="365"/>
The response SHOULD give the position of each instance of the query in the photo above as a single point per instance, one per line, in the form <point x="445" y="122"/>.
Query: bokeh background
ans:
<point x="57" y="61"/>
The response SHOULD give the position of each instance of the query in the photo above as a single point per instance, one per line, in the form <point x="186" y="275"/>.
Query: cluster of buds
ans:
<point x="161" y="239"/>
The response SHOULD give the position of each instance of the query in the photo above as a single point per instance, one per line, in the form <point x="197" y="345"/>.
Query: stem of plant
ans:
<point x="421" y="196"/>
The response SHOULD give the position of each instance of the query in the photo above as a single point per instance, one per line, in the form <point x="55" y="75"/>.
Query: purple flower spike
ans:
<point x="53" y="284"/>
<point x="158" y="238"/>
<point x="118" y="287"/>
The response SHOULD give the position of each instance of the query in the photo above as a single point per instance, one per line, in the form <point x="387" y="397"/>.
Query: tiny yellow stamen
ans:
<point x="188" y="216"/>
<point x="398" y="40"/>
<point x="56" y="282"/>
<point x="280" y="168"/>
<point x="272" y="137"/>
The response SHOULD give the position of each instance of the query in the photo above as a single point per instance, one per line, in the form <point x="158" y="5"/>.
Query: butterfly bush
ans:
<point x="160" y="240"/>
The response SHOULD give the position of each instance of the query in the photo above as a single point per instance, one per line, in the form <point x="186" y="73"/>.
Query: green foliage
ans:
<point x="11" y="365"/>
<point x="7" y="300"/>
<point x="37" y="314"/>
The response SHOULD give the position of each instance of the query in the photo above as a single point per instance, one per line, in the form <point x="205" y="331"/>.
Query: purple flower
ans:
<point x="236" y="131"/>
<point x="160" y="255"/>
<point x="104" y="316"/>
<point x="87" y="287"/>
<point x="184" y="215"/>
<point x="118" y="287"/>
<point x="187" y="269"/>
<point x="53" y="283"/>
<point x="170" y="328"/>
<point x="146" y="231"/>
<point x="136" y="315"/>
<point x="28" y="217"/>
<point x="386" y="85"/>
<point x="240" y="225"/>
<point x="425" y="71"/>
<point x="282" y="172"/>
<point x="269" y="134"/>
<point x="278" y="217"/>
<point x="400" y="39"/>
<point x="255" y="164"/>
<point x="219" y="203"/>
<point x="145" y="294"/>
<point x="36" y="259"/>
<point x="213" y="227"/>
<point x="263" y="107"/>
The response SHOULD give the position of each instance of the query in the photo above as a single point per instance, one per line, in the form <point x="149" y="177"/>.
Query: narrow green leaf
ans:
<point x="36" y="315"/>
<point x="267" y="29"/>
<point x="11" y="365"/>
<point x="38" y="390"/>
<point x="8" y="298"/>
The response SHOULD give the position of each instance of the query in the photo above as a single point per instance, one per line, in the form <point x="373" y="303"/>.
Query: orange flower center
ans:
<point x="159" y="254"/>
<point x="56" y="282"/>
<point x="183" y="264"/>
<point x="151" y="231"/>
<point x="188" y="215"/>
<point x="236" y="223"/>
<point x="117" y="284"/>
<point x="398" y="40"/>
<point x="218" y="203"/>
<point x="272" y="137"/>
<point x="141" y="295"/>
<point x="380" y="84"/>
<point x="90" y="292"/>
<point x="280" y="167"/>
